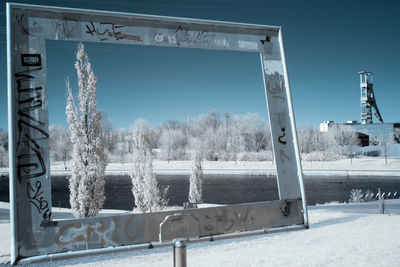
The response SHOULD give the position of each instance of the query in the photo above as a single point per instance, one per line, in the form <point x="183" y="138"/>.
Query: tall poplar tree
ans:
<point x="88" y="158"/>
<point x="196" y="178"/>
<point x="148" y="197"/>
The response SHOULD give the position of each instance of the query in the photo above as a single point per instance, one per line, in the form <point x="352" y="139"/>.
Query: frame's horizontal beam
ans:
<point x="50" y="23"/>
<point x="243" y="27"/>
<point x="128" y="229"/>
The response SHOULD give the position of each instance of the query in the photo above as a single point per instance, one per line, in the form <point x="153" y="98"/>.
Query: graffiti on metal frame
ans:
<point x="136" y="228"/>
<point x="35" y="194"/>
<point x="30" y="163"/>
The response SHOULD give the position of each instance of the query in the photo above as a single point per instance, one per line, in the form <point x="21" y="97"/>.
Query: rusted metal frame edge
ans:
<point x="151" y="245"/>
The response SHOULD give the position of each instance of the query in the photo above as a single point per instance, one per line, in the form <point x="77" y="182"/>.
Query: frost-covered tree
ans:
<point x="3" y="148"/>
<point x="60" y="143"/>
<point x="148" y="197"/>
<point x="196" y="178"/>
<point x="88" y="159"/>
<point x="173" y="144"/>
<point x="346" y="140"/>
<point x="109" y="135"/>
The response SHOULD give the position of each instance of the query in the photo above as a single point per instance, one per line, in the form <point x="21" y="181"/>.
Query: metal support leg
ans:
<point x="179" y="253"/>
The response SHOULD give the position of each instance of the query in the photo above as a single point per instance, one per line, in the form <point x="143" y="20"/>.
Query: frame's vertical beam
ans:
<point x="294" y="133"/>
<point x="282" y="122"/>
<point x="30" y="183"/>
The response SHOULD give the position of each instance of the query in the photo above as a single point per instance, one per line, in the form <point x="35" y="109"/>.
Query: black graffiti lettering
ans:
<point x="104" y="30"/>
<point x="280" y="138"/>
<point x="31" y="131"/>
<point x="34" y="194"/>
<point x="20" y="22"/>
<point x="22" y="123"/>
<point x="30" y="165"/>
<point x="27" y="101"/>
<point x="47" y="214"/>
<point x="30" y="162"/>
<point x="23" y="24"/>
<point x="90" y="28"/>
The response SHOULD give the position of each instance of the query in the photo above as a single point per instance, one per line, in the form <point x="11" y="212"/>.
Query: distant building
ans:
<point x="368" y="134"/>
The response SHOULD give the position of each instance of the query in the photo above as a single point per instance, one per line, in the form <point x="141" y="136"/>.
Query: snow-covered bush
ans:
<point x="356" y="195"/>
<point x="256" y="156"/>
<point x="196" y="178"/>
<point x="148" y="197"/>
<point x="372" y="153"/>
<point x="88" y="159"/>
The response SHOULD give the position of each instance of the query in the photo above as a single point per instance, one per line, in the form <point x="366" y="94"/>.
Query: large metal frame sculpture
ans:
<point x="34" y="232"/>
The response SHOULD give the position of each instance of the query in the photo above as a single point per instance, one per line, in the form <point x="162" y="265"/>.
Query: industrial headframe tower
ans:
<point x="367" y="98"/>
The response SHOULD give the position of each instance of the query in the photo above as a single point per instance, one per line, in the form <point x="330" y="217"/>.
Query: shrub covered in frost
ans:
<point x="196" y="178"/>
<point x="356" y="195"/>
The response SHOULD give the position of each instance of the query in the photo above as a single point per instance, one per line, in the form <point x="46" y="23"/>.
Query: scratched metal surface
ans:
<point x="281" y="129"/>
<point x="91" y="233"/>
<point x="28" y="27"/>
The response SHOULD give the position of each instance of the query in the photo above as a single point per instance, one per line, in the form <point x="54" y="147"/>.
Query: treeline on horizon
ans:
<point x="220" y="136"/>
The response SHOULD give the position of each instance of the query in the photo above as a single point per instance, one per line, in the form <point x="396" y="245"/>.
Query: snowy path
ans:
<point x="348" y="235"/>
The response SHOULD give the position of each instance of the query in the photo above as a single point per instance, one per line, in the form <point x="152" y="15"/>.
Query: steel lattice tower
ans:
<point x="367" y="98"/>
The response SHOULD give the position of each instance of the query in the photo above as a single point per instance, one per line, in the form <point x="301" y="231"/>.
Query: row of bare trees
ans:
<point x="337" y="143"/>
<point x="220" y="136"/>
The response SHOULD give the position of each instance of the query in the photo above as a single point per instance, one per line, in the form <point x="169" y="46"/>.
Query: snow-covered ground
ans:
<point x="344" y="234"/>
<point x="359" y="166"/>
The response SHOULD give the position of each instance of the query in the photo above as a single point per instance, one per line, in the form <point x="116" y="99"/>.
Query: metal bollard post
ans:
<point x="381" y="202"/>
<point x="179" y="253"/>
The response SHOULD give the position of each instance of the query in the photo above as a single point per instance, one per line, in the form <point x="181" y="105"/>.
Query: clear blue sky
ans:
<point x="326" y="44"/>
